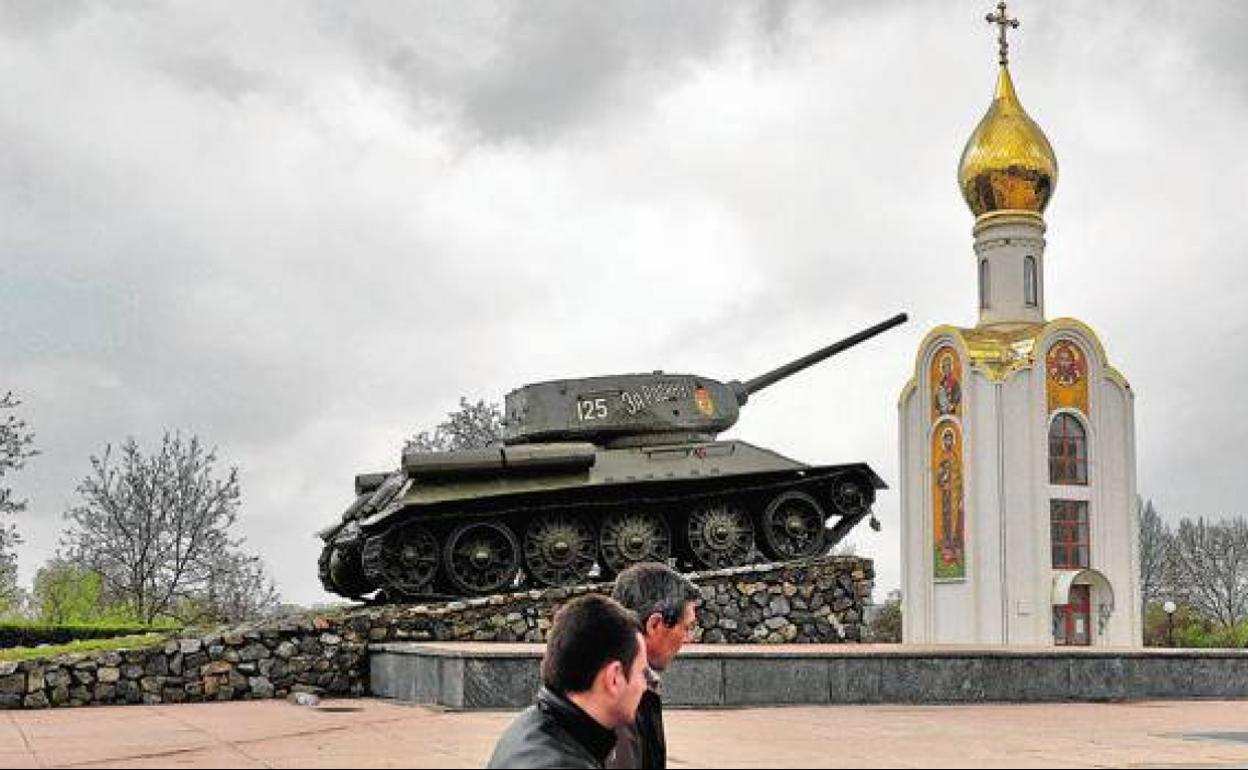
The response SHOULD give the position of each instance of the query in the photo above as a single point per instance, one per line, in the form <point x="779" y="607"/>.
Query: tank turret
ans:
<point x="595" y="474"/>
<point x="647" y="409"/>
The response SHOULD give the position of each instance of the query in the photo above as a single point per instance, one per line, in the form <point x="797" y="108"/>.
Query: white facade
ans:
<point x="1009" y="588"/>
<point x="1019" y="519"/>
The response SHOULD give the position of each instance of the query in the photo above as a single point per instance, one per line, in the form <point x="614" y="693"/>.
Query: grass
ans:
<point x="85" y="645"/>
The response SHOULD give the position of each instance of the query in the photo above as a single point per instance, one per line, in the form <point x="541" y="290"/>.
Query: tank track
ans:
<point x="493" y="550"/>
<point x="339" y="566"/>
<point x="322" y="570"/>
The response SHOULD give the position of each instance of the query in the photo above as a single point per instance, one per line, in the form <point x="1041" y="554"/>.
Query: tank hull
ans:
<point x="475" y="523"/>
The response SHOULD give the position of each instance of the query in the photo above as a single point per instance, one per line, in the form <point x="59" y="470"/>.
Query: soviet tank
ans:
<point x="592" y="475"/>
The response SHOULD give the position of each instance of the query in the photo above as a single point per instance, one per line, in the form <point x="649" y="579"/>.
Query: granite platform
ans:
<point x="467" y="675"/>
<point x="368" y="732"/>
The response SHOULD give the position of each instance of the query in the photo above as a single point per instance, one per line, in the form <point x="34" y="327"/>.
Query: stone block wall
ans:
<point x="291" y="655"/>
<point x="818" y="601"/>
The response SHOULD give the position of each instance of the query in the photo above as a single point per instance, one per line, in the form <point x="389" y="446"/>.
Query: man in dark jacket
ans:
<point x="593" y="676"/>
<point x="666" y="605"/>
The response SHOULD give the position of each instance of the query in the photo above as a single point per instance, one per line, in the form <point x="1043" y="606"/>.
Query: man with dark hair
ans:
<point x="666" y="605"/>
<point x="593" y="675"/>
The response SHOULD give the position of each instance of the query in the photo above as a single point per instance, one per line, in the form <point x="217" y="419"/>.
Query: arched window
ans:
<point x="1029" y="281"/>
<point x="1068" y="451"/>
<point x="983" y="284"/>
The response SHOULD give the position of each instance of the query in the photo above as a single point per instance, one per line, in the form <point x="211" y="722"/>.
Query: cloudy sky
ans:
<point x="301" y="230"/>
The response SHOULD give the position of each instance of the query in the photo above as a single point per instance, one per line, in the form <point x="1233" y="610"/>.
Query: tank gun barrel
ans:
<point x="745" y="389"/>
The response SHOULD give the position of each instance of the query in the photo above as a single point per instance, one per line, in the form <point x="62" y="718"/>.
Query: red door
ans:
<point x="1073" y="622"/>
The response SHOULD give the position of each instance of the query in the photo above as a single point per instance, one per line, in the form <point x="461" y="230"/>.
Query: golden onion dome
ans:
<point x="1008" y="162"/>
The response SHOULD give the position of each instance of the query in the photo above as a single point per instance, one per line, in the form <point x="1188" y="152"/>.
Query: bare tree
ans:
<point x="1156" y="543"/>
<point x="16" y="446"/>
<point x="885" y="624"/>
<point x="1210" y="561"/>
<point x="472" y="426"/>
<point x="153" y="526"/>
<point x="239" y="588"/>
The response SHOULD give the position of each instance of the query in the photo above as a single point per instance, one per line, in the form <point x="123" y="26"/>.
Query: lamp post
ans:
<point x="1169" y="608"/>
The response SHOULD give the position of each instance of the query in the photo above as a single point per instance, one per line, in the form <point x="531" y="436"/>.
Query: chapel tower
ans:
<point x="1018" y="502"/>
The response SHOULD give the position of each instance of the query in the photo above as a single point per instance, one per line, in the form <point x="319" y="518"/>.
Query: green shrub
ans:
<point x="1190" y="629"/>
<point x="86" y="645"/>
<point x="35" y="634"/>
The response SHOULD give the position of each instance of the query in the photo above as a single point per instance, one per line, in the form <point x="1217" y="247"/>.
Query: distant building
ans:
<point x="1018" y="491"/>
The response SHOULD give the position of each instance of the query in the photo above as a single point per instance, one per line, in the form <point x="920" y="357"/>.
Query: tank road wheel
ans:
<point x="481" y="557"/>
<point x="792" y="527"/>
<point x="720" y="535"/>
<point x="559" y="549"/>
<point x="632" y="537"/>
<point x="402" y="560"/>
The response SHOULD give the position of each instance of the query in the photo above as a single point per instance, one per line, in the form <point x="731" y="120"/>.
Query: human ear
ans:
<point x="654" y="621"/>
<point x="615" y="676"/>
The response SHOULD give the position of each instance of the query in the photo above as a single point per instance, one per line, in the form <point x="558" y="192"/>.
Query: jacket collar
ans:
<point x="581" y="726"/>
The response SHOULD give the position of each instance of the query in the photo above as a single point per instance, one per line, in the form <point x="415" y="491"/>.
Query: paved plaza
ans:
<point x="376" y="733"/>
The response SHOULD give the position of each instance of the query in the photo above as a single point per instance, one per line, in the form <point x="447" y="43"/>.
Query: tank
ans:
<point x="592" y="475"/>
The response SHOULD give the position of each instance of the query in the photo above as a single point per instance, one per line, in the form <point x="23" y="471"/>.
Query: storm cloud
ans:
<point x="303" y="230"/>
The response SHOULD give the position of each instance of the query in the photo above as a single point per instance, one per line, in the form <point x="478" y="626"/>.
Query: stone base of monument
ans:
<point x="505" y="676"/>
